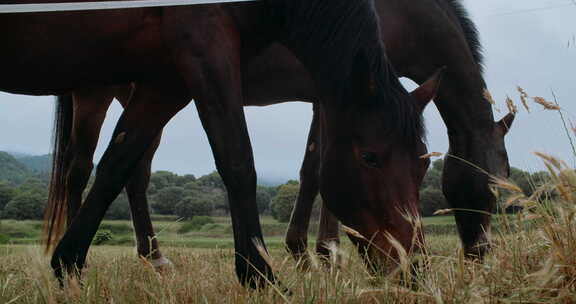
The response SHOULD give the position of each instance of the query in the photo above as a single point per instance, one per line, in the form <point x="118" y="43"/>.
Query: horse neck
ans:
<point x="434" y="38"/>
<point x="276" y="76"/>
<point x="462" y="103"/>
<point x="327" y="34"/>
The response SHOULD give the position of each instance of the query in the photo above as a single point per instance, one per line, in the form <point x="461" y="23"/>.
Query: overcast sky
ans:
<point x="530" y="43"/>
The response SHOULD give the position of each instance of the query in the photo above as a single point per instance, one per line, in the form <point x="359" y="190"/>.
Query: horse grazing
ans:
<point x="176" y="54"/>
<point x="439" y="33"/>
<point x="276" y="76"/>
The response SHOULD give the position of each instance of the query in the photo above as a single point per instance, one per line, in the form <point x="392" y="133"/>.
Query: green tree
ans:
<point x="166" y="199"/>
<point x="212" y="180"/>
<point x="25" y="206"/>
<point x="120" y="208"/>
<point x="11" y="170"/>
<point x="272" y="191"/>
<point x="431" y="200"/>
<point x="522" y="179"/>
<point x="193" y="189"/>
<point x="209" y="189"/>
<point x="182" y="180"/>
<point x="438" y="165"/>
<point x="163" y="179"/>
<point x="433" y="177"/>
<point x="34" y="185"/>
<point x="263" y="199"/>
<point x="7" y="193"/>
<point x="151" y="189"/>
<point x="283" y="202"/>
<point x="220" y="200"/>
<point x="194" y="206"/>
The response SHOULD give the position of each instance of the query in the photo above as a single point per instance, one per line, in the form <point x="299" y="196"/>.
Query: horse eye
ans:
<point x="370" y="159"/>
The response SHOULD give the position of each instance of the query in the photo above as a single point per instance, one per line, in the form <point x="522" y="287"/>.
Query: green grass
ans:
<point x="168" y="230"/>
<point x="439" y="220"/>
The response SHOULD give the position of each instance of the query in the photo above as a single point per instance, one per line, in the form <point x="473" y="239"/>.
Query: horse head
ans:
<point x="371" y="173"/>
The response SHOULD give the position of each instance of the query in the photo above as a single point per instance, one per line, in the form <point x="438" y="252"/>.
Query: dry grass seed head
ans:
<point x="524" y="98"/>
<point x="505" y="184"/>
<point x="443" y="211"/>
<point x="512" y="108"/>
<point x="546" y="104"/>
<point x="431" y="154"/>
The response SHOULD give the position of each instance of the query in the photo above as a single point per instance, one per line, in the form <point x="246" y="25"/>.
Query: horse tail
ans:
<point x="55" y="212"/>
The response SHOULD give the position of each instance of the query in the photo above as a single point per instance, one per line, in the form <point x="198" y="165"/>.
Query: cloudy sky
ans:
<point x="530" y="43"/>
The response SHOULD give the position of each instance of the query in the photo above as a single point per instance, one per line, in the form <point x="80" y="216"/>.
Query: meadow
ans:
<point x="173" y="232"/>
<point x="529" y="264"/>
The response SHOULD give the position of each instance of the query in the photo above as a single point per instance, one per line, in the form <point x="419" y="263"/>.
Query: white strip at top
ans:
<point x="104" y="5"/>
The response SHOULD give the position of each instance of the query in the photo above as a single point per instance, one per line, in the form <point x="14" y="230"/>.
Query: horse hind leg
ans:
<point x="328" y="238"/>
<point x="152" y="107"/>
<point x="90" y="106"/>
<point x="297" y="234"/>
<point x="146" y="240"/>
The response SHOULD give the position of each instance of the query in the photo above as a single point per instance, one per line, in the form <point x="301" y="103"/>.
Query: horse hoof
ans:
<point x="477" y="252"/>
<point x="162" y="265"/>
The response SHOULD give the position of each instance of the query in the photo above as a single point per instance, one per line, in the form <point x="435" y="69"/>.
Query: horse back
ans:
<point x="45" y="52"/>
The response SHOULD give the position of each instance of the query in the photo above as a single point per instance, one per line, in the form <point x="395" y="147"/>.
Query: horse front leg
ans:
<point x="206" y="47"/>
<point x="297" y="233"/>
<point x="149" y="111"/>
<point x="222" y="115"/>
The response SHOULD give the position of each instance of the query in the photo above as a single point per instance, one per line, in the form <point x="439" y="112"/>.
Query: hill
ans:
<point x="35" y="163"/>
<point x="11" y="170"/>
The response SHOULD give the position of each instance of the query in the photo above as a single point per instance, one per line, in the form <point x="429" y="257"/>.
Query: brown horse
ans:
<point x="439" y="34"/>
<point x="176" y="54"/>
<point x="276" y="76"/>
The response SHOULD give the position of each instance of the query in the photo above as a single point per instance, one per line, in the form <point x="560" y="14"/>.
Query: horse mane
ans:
<point x="470" y="31"/>
<point x="345" y="35"/>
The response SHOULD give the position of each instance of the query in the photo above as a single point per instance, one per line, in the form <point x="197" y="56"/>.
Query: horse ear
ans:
<point x="506" y="123"/>
<point x="428" y="90"/>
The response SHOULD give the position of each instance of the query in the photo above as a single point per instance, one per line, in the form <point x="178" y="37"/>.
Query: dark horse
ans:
<point x="176" y="54"/>
<point x="421" y="36"/>
<point x="439" y="34"/>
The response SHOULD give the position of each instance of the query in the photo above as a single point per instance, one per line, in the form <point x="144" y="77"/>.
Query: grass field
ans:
<point x="115" y="275"/>
<point x="524" y="267"/>
<point x="217" y="235"/>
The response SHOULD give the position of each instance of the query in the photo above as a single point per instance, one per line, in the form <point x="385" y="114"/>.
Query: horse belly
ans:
<point x="49" y="52"/>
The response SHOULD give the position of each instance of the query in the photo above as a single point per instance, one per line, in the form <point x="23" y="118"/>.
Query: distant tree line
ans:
<point x="168" y="194"/>
<point x="432" y="198"/>
<point x="186" y="196"/>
